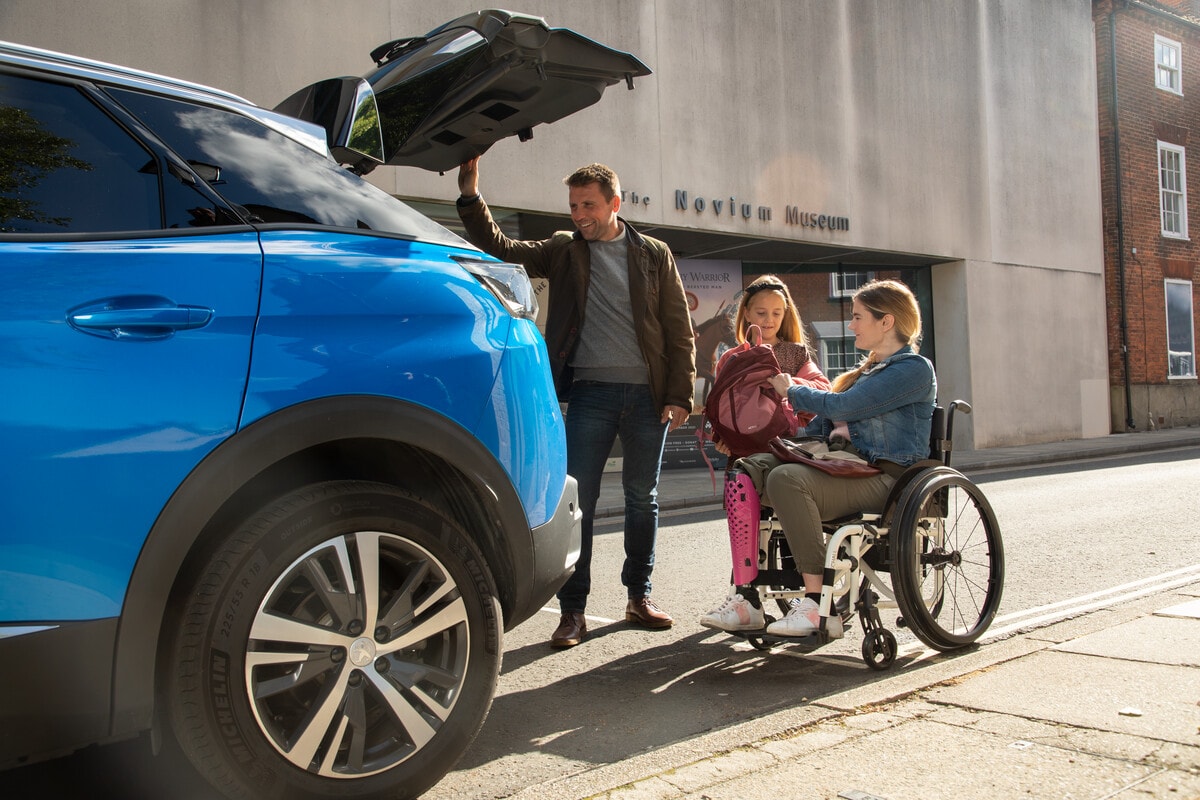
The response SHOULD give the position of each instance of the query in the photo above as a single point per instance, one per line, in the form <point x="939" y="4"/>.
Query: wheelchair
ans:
<point x="937" y="539"/>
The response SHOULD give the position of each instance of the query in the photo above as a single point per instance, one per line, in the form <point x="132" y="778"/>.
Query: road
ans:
<point x="1072" y="533"/>
<point x="1077" y="537"/>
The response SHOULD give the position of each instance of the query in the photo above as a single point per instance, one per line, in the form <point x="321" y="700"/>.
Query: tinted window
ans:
<point x="67" y="167"/>
<point x="273" y="177"/>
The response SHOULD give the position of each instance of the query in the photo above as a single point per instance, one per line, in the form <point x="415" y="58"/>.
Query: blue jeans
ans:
<point x="598" y="413"/>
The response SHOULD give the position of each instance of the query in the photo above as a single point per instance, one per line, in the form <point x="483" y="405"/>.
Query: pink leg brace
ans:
<point x="742" y="509"/>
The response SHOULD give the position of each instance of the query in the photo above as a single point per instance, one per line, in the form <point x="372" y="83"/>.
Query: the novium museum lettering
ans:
<point x="792" y="215"/>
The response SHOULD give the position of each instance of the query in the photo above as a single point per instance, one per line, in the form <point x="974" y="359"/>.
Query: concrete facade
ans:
<point x="962" y="132"/>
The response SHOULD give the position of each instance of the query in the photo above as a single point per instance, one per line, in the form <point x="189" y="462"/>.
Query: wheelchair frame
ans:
<point x="937" y="537"/>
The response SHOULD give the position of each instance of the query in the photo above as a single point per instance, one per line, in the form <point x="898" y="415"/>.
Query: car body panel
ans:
<point x="386" y="316"/>
<point x="91" y="411"/>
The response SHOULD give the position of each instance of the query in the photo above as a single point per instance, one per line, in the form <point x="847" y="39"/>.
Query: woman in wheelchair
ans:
<point x="883" y="410"/>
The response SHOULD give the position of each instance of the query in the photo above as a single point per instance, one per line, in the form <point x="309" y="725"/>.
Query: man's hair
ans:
<point x="610" y="185"/>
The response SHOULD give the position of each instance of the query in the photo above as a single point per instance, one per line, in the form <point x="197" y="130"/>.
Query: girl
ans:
<point x="768" y="304"/>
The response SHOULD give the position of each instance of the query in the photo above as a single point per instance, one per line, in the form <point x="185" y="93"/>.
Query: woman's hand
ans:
<point x="722" y="448"/>
<point x="781" y="383"/>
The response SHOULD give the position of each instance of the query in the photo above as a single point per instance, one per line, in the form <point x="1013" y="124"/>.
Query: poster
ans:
<point x="713" y="289"/>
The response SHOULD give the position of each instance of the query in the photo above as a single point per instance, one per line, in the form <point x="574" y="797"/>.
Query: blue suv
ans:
<point x="282" y="459"/>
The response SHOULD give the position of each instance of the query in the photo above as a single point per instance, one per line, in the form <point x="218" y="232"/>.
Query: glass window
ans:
<point x="1167" y="75"/>
<point x="1181" y="342"/>
<point x="838" y="356"/>
<point x="1172" y="182"/>
<point x="272" y="177"/>
<point x="845" y="284"/>
<point x="68" y="167"/>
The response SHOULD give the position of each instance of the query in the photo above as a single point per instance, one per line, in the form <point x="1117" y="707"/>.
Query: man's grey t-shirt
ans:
<point x="608" y="349"/>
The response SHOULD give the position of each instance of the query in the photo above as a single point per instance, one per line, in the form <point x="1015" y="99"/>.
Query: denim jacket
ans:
<point x="888" y="409"/>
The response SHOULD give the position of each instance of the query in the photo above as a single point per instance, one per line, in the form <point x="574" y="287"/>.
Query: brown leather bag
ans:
<point x="816" y="453"/>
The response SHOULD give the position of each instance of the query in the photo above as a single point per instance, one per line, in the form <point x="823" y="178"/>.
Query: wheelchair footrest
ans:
<point x="811" y="641"/>
<point x="833" y="630"/>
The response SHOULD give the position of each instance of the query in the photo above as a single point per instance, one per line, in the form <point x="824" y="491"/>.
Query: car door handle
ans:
<point x="137" y="317"/>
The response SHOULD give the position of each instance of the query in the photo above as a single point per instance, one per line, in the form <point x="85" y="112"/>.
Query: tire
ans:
<point x="879" y="649"/>
<point x="948" y="568"/>
<point x="343" y="642"/>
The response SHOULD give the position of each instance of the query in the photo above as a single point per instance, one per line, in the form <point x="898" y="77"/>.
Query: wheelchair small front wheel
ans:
<point x="948" y="571"/>
<point x="879" y="649"/>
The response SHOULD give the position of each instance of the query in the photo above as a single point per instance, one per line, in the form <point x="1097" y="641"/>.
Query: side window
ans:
<point x="1167" y="75"/>
<point x="67" y="167"/>
<point x="845" y="284"/>
<point x="272" y="177"/>
<point x="839" y="355"/>
<point x="1181" y="341"/>
<point x="1172" y="185"/>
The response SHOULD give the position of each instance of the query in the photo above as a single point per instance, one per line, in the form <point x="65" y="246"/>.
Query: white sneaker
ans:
<point x="803" y="618"/>
<point x="735" y="614"/>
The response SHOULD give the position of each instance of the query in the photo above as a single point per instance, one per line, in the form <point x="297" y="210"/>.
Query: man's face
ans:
<point x="594" y="216"/>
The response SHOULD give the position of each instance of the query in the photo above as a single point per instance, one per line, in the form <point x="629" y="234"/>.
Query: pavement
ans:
<point x="1103" y="704"/>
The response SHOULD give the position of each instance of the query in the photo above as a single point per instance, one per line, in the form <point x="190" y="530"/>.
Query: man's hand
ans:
<point x="781" y="383"/>
<point x="676" y="415"/>
<point x="468" y="177"/>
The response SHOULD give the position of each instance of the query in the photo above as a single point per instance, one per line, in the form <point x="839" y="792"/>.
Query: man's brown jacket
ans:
<point x="661" y="316"/>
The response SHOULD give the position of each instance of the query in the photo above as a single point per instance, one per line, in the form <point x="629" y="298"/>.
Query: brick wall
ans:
<point x="1147" y="115"/>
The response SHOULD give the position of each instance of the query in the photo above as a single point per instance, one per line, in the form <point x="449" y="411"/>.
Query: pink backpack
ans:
<point x="742" y="408"/>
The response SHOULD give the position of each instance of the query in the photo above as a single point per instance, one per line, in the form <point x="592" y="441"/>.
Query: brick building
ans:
<point x="1148" y="91"/>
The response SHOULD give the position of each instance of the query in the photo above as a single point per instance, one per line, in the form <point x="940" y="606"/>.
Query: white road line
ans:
<point x="1041" y="616"/>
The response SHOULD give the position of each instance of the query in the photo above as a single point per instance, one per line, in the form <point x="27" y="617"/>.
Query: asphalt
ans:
<point x="694" y="488"/>
<point x="1100" y="705"/>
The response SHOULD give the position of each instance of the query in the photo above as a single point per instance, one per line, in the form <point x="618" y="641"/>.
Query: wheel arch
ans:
<point x="363" y="437"/>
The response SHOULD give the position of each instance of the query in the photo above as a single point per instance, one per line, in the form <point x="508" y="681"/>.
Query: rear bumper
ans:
<point x="556" y="549"/>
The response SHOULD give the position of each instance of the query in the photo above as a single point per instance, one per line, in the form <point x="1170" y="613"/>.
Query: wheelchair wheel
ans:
<point x="948" y="568"/>
<point x="879" y="649"/>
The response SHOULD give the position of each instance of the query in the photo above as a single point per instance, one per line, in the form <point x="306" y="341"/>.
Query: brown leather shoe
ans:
<point x="643" y="611"/>
<point x="571" y="630"/>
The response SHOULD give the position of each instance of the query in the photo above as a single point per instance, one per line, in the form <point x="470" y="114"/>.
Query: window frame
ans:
<point x="1164" y="191"/>
<point x="1173" y="82"/>
<point x="1191" y="328"/>
<point x="845" y="352"/>
<point x="837" y="287"/>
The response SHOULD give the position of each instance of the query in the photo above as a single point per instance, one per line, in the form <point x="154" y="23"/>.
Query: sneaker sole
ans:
<point x="740" y="629"/>
<point x="792" y="634"/>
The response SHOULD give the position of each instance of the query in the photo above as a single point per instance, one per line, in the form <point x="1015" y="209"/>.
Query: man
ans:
<point x="619" y="335"/>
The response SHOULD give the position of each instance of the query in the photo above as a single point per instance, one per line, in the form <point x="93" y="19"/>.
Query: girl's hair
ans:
<point x="880" y="298"/>
<point x="790" y="330"/>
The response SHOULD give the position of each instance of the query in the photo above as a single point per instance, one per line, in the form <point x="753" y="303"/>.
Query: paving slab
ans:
<point x="1143" y="639"/>
<point x="1188" y="610"/>
<point x="923" y="758"/>
<point x="1131" y="697"/>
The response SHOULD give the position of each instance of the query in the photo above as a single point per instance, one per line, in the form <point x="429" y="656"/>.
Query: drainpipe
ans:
<point x="1112" y="60"/>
